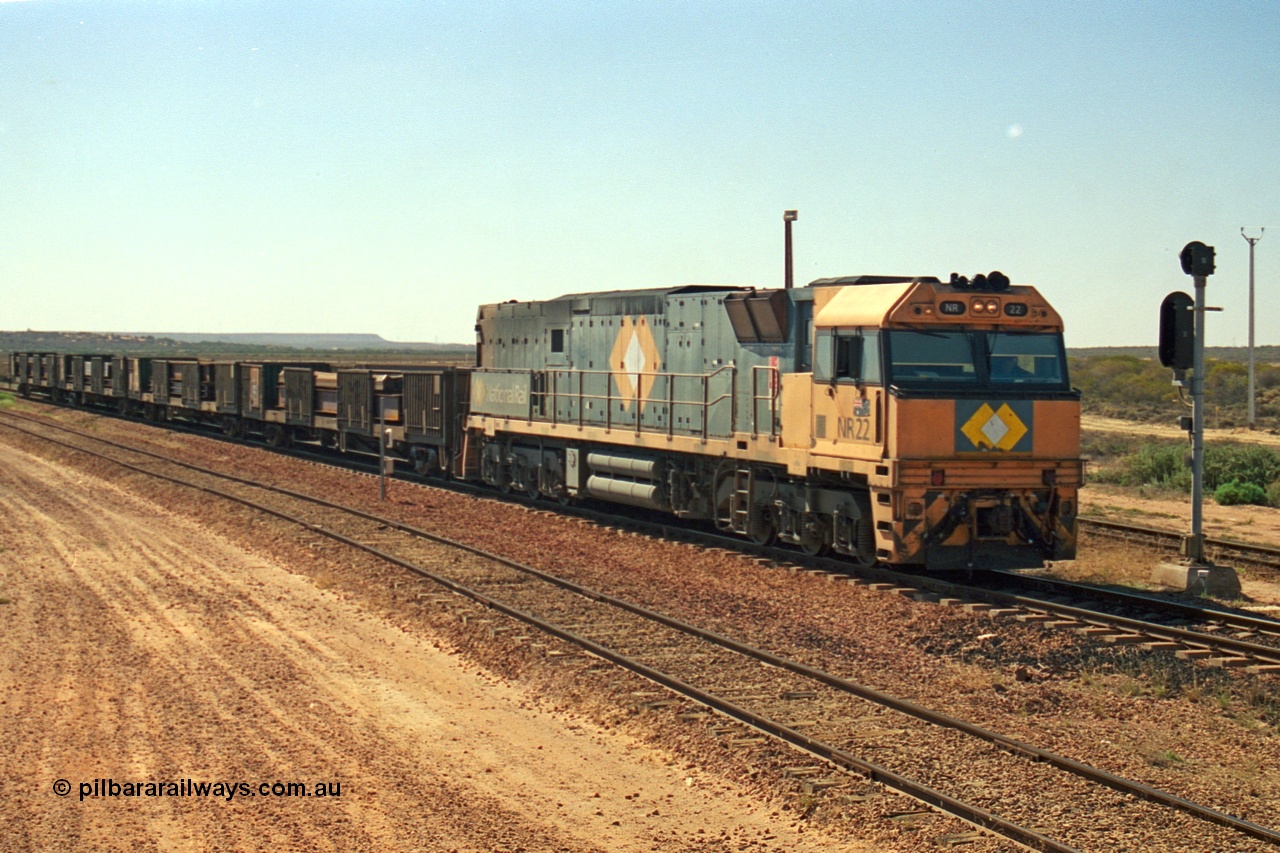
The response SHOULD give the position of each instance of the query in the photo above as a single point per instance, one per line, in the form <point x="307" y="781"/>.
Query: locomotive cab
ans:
<point x="952" y="405"/>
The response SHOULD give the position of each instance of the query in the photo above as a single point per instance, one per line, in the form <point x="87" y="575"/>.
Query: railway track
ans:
<point x="920" y="753"/>
<point x="1195" y="632"/>
<point x="1223" y="550"/>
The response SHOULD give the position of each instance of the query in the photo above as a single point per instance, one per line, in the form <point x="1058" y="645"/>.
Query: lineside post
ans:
<point x="1193" y="573"/>
<point x="1193" y="544"/>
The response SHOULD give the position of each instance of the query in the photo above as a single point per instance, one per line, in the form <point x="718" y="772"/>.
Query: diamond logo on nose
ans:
<point x="994" y="429"/>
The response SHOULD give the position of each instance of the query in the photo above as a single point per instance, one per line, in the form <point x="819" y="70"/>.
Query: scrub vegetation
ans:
<point x="1134" y="387"/>
<point x="1233" y="473"/>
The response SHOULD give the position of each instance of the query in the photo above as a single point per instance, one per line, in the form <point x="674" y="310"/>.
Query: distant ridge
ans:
<point x="302" y="341"/>
<point x="1261" y="352"/>
<point x="146" y="343"/>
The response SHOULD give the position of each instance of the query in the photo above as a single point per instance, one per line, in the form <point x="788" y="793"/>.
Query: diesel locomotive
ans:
<point x="902" y="420"/>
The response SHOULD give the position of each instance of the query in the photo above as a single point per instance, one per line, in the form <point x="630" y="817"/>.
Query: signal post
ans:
<point x="1182" y="335"/>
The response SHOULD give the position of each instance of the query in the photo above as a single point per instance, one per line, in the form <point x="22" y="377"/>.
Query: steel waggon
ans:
<point x="420" y="410"/>
<point x="903" y="420"/>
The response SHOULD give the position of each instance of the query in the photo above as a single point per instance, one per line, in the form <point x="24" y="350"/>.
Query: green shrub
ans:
<point x="1236" y="492"/>
<point x="1163" y="465"/>
<point x="1167" y="466"/>
<point x="1244" y="463"/>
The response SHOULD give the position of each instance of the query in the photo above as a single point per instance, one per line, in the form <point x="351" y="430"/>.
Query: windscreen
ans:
<point x="926" y="359"/>
<point x="1025" y="359"/>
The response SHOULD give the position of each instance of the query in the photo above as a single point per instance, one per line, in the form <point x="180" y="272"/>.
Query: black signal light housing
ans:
<point x="1177" y="331"/>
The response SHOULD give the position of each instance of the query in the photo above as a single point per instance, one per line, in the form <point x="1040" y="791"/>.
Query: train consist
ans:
<point x="893" y="419"/>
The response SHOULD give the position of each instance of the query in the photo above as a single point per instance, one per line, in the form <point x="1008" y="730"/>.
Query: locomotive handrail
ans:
<point x="774" y="386"/>
<point x="541" y="395"/>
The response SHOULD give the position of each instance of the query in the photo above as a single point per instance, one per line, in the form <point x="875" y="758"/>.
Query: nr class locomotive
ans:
<point x="902" y="420"/>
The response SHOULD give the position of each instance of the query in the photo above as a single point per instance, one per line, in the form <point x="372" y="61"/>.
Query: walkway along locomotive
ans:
<point x="893" y="419"/>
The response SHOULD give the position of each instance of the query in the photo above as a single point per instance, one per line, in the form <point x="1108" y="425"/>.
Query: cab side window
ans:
<point x="857" y="357"/>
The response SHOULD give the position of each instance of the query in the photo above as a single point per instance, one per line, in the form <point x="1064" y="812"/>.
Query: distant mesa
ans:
<point x="107" y="342"/>
<point x="301" y="341"/>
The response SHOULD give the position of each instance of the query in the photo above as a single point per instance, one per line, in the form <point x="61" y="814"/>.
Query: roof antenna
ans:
<point x="788" y="281"/>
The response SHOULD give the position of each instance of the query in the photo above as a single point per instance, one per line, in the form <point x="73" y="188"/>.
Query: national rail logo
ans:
<point x="991" y="428"/>
<point x="635" y="360"/>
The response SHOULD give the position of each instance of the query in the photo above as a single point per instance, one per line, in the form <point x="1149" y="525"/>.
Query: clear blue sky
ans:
<point x="386" y="166"/>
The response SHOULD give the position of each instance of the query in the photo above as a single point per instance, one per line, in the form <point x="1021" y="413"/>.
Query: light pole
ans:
<point x="1252" y="241"/>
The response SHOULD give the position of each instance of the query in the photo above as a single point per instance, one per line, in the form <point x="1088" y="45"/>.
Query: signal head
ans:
<point x="1197" y="259"/>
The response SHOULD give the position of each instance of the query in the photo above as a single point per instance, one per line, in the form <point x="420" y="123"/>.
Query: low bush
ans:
<point x="1163" y="465"/>
<point x="1252" y="472"/>
<point x="1245" y="463"/>
<point x="1236" y="492"/>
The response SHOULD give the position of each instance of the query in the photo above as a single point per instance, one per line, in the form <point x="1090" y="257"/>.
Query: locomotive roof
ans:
<point x="873" y="279"/>
<point x="908" y="302"/>
<point x="654" y="291"/>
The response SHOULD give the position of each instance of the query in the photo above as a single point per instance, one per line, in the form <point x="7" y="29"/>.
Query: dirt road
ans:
<point x="1170" y="430"/>
<point x="139" y="648"/>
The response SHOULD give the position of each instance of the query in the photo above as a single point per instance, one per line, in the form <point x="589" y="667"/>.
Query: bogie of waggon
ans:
<point x="895" y="419"/>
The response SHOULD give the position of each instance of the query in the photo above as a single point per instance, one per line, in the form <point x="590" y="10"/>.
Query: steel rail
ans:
<point x="1260" y="624"/>
<point x="1137" y="626"/>
<point x="1263" y="554"/>
<point x="1085" y="771"/>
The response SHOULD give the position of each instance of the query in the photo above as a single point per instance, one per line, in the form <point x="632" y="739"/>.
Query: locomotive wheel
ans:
<point x="815" y="538"/>
<point x="866" y="557"/>
<point x="765" y="532"/>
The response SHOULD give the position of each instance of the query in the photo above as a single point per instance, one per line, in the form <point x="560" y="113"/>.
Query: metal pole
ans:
<point x="1252" y="241"/>
<point x="1194" y="546"/>
<point x="788" y="216"/>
